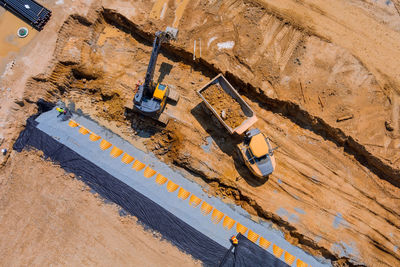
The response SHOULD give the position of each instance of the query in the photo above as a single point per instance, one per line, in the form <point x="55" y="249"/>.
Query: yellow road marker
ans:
<point x="206" y="208"/>
<point x="149" y="172"/>
<point x="116" y="152"/>
<point x="104" y="145"/>
<point x="183" y="194"/>
<point x="94" y="137"/>
<point x="264" y="243"/>
<point x="126" y="158"/>
<point x="72" y="123"/>
<point x="289" y="258"/>
<point x="83" y="130"/>
<point x="194" y="201"/>
<point x="253" y="237"/>
<point x="228" y="223"/>
<point x="171" y="186"/>
<point x="300" y="263"/>
<point x="277" y="251"/>
<point x="138" y="165"/>
<point x="240" y="228"/>
<point x="216" y="216"/>
<point x="160" y="180"/>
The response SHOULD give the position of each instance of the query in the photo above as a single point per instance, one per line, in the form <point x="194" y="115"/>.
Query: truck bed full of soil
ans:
<point x="222" y="101"/>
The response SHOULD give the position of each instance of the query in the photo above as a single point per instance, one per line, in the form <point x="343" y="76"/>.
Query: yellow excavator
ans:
<point x="151" y="98"/>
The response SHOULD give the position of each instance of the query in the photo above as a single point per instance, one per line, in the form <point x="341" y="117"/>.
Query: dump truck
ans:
<point x="221" y="98"/>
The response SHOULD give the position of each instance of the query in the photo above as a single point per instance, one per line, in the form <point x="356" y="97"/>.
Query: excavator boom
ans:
<point x="167" y="35"/>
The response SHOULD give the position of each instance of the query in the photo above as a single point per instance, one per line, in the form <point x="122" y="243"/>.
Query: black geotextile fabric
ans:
<point x="147" y="211"/>
<point x="249" y="254"/>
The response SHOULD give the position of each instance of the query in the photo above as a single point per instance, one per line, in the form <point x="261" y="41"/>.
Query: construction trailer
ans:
<point x="29" y="11"/>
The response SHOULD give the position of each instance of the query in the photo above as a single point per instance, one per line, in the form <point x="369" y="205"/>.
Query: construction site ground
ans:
<point x="322" y="77"/>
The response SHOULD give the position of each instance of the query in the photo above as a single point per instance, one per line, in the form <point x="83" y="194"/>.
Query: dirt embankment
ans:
<point x="227" y="107"/>
<point x="50" y="218"/>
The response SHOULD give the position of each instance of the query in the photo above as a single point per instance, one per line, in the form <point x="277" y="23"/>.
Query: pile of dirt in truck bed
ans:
<point x="227" y="107"/>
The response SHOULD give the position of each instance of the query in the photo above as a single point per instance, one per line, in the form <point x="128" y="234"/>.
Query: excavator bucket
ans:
<point x="172" y="33"/>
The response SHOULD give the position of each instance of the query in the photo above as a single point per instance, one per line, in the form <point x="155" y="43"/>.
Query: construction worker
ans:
<point x="64" y="113"/>
<point x="234" y="240"/>
<point x="61" y="111"/>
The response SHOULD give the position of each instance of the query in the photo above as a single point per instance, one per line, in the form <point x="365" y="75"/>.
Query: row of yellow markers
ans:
<point x="194" y="201"/>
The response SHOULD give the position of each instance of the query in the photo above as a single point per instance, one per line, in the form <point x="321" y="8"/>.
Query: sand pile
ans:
<point x="227" y="107"/>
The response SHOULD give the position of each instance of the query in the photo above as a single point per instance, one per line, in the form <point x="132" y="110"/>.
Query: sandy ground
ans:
<point x="50" y="218"/>
<point x="9" y="25"/>
<point x="301" y="65"/>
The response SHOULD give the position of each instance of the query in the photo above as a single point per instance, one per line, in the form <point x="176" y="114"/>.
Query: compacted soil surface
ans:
<point x="50" y="218"/>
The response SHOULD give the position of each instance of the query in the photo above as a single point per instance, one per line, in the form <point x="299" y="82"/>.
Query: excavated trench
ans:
<point x="75" y="80"/>
<point x="287" y="109"/>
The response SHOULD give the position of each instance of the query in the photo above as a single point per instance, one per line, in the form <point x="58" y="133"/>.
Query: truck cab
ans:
<point x="257" y="153"/>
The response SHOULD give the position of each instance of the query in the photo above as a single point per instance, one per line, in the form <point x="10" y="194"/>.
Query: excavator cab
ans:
<point x="150" y="99"/>
<point x="151" y="103"/>
<point x="257" y="153"/>
<point x="160" y="91"/>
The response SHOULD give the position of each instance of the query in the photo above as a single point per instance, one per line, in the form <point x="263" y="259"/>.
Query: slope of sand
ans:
<point x="346" y="25"/>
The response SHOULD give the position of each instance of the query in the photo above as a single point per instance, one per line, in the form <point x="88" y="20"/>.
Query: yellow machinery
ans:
<point x="255" y="149"/>
<point x="150" y="99"/>
<point x="257" y="153"/>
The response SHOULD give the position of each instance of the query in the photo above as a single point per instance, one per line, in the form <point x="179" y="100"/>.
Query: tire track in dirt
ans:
<point x="349" y="27"/>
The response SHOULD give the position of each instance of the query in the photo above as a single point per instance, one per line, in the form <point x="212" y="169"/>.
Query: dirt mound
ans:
<point x="227" y="107"/>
